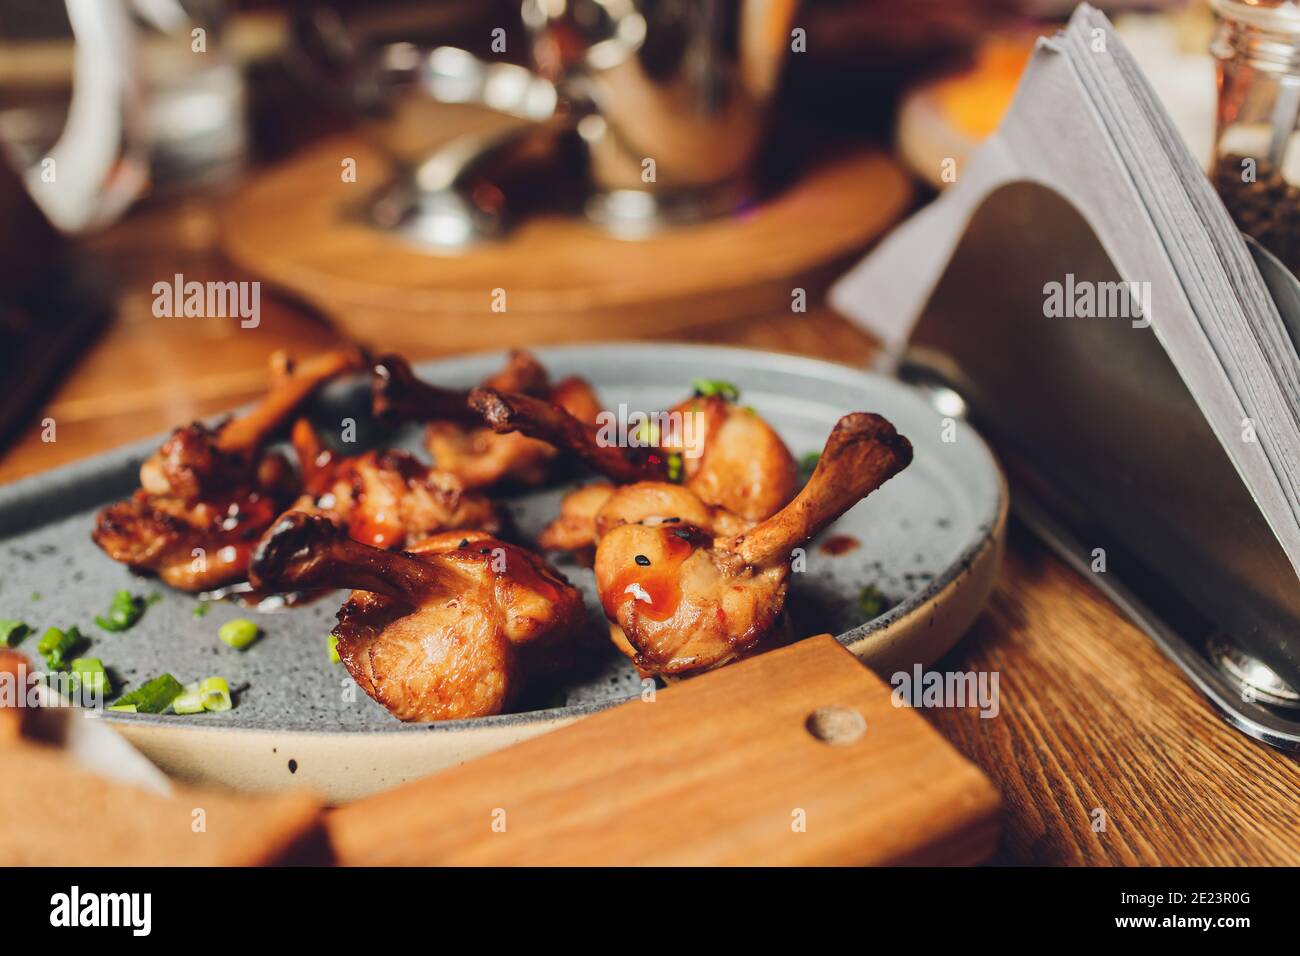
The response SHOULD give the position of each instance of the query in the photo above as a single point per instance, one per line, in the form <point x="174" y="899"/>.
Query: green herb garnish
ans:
<point x="122" y="613"/>
<point x="334" y="649"/>
<point x="11" y="632"/>
<point x="212" y="693"/>
<point x="90" y="674"/>
<point x="238" y="633"/>
<point x="216" y="694"/>
<point x="151" y="697"/>
<point x="190" y="702"/>
<point x="674" y="463"/>
<point x="56" y="646"/>
<point x="647" y="434"/>
<point x="871" y="602"/>
<point x="707" y="387"/>
<point x="202" y="608"/>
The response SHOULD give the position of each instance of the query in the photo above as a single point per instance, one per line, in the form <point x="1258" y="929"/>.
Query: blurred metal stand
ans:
<point x="1109" y="457"/>
<point x="654" y="109"/>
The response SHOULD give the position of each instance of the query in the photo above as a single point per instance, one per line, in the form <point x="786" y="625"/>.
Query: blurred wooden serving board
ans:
<point x="722" y="769"/>
<point x="299" y="226"/>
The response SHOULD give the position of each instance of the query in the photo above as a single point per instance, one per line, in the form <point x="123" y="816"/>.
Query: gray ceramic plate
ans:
<point x="929" y="542"/>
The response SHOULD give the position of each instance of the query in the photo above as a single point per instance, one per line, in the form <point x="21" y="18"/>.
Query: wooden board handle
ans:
<point x="798" y="756"/>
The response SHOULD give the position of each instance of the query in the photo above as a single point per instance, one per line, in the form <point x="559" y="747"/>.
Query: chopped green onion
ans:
<point x="122" y="613"/>
<point x="705" y="387"/>
<point x="871" y="602"/>
<point x="57" y="645"/>
<point x="36" y="595"/>
<point x="674" y="464"/>
<point x="215" y="693"/>
<point x="190" y="702"/>
<point x="334" y="649"/>
<point x="124" y="708"/>
<point x="202" y="608"/>
<point x="151" y="697"/>
<point x="238" y="633"/>
<point x="647" y="434"/>
<point x="90" y="674"/>
<point x="11" y="632"/>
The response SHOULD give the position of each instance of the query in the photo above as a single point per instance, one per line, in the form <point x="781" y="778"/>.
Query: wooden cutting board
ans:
<point x="798" y="756"/>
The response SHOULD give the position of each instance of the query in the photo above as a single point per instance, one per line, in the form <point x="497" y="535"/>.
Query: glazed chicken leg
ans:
<point x="452" y="628"/>
<point x="686" y="595"/>
<point x="729" y="458"/>
<point x="509" y="412"/>
<point x="208" y="493"/>
<point x="385" y="497"/>
<point x="457" y="438"/>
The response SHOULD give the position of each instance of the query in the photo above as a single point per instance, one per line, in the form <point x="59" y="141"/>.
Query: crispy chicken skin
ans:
<point x="208" y="493"/>
<point x="686" y="596"/>
<point x="590" y="512"/>
<point x="452" y="628"/>
<point x="386" y="498"/>
<point x="742" y="469"/>
<point x="574" y="529"/>
<point x="457" y="438"/>
<point x="744" y="466"/>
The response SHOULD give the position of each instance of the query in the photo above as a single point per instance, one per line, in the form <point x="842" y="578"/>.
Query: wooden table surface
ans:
<point x="1092" y="718"/>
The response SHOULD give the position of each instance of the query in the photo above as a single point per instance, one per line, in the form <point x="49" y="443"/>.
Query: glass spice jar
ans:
<point x="1256" y="167"/>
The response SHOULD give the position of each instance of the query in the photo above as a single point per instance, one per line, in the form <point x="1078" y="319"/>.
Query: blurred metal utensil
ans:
<point x="663" y="104"/>
<point x="103" y="100"/>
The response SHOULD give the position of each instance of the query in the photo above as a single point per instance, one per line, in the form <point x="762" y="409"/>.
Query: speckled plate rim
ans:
<point x="920" y="629"/>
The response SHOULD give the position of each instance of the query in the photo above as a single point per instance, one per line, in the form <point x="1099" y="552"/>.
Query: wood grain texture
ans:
<point x="1093" y="714"/>
<point x="55" y="813"/>
<point x="719" y="770"/>
<point x="563" y="279"/>
<point x="1094" y="717"/>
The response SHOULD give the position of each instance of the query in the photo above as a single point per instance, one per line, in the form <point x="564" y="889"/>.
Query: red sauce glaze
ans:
<point x="659" y="582"/>
<point x="522" y="571"/>
<point x="379" y="534"/>
<point x="320" y="473"/>
<point x="839" y="544"/>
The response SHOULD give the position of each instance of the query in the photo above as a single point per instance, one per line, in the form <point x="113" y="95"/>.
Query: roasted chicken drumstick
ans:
<point x="451" y="628"/>
<point x="457" y="438"/>
<point x="385" y="497"/>
<point x="729" y="459"/>
<point x="685" y="596"/>
<point x="511" y="412"/>
<point x="207" y="494"/>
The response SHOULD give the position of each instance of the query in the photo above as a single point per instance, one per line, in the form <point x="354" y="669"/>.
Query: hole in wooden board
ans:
<point x="836" y="725"/>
